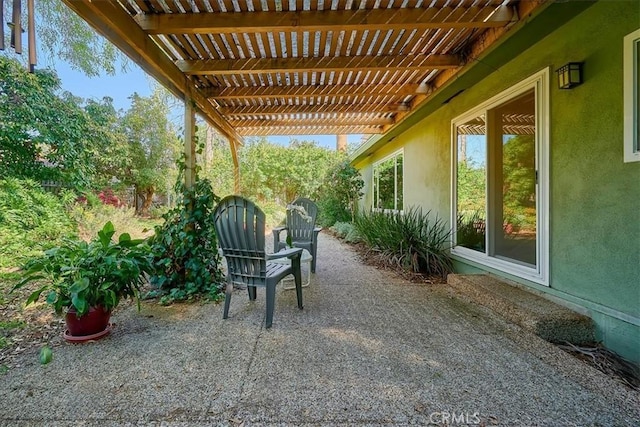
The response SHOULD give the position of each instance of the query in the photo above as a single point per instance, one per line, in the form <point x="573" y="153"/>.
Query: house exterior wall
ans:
<point x="594" y="233"/>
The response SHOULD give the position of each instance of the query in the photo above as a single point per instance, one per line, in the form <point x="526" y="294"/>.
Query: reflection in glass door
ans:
<point x="512" y="153"/>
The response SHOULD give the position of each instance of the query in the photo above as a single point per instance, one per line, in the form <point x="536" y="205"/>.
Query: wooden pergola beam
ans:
<point x="329" y="20"/>
<point x="289" y="92"/>
<point x="113" y="22"/>
<point x="311" y="130"/>
<point x="222" y="67"/>
<point x="295" y="110"/>
<point x="355" y="121"/>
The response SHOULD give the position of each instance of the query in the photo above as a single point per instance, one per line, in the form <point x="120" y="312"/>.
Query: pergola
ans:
<point x="273" y="67"/>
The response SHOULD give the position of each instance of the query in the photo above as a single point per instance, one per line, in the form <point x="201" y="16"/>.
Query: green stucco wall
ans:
<point x="594" y="231"/>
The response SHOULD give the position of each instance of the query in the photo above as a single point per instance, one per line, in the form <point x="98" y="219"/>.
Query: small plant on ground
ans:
<point x="411" y="240"/>
<point x="31" y="221"/>
<point x="346" y="231"/>
<point x="470" y="231"/>
<point x="185" y="248"/>
<point x="99" y="273"/>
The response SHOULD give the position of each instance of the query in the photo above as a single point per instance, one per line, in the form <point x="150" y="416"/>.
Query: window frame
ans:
<point x="393" y="155"/>
<point x="540" y="274"/>
<point x="631" y="74"/>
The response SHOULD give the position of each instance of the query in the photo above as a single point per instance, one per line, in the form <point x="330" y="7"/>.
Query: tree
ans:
<point x="43" y="136"/>
<point x="274" y="172"/>
<point x="63" y="34"/>
<point x="339" y="194"/>
<point x="153" y="146"/>
<point x="108" y="146"/>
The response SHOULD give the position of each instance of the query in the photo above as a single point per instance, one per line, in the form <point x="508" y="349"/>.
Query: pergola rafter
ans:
<point x="231" y="67"/>
<point x="306" y="67"/>
<point x="329" y="20"/>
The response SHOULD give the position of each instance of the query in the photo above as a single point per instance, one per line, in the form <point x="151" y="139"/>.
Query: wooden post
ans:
<point x="31" y="24"/>
<point x="1" y="25"/>
<point x="233" y="144"/>
<point x="189" y="142"/>
<point x="16" y="30"/>
<point x="341" y="143"/>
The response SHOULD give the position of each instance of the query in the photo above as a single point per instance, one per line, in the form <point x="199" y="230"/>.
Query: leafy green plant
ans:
<point x="83" y="274"/>
<point x="339" y="195"/>
<point x="470" y="231"/>
<point x="346" y="231"/>
<point x="31" y="221"/>
<point x="411" y="240"/>
<point x="185" y="249"/>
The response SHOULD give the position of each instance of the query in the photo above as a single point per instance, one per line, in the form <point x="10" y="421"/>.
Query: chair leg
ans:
<point x="313" y="259"/>
<point x="271" y="301"/>
<point x="297" y="276"/>
<point x="227" y="300"/>
<point x="252" y="293"/>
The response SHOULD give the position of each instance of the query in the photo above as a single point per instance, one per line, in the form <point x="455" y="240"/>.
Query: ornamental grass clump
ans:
<point x="411" y="240"/>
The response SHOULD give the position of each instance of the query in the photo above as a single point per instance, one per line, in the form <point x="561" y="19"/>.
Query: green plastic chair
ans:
<point x="300" y="229"/>
<point x="239" y="224"/>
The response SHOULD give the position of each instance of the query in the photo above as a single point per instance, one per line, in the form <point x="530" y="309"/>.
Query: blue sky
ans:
<point x="124" y="84"/>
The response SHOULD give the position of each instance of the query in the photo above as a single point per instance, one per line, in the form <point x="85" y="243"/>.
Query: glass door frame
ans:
<point x="540" y="273"/>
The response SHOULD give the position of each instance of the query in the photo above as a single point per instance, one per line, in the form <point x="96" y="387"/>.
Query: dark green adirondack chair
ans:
<point x="239" y="224"/>
<point x="300" y="229"/>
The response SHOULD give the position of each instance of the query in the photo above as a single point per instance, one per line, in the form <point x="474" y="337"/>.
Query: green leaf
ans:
<point x="124" y="237"/>
<point x="46" y="355"/>
<point x="34" y="296"/>
<point x="52" y="296"/>
<point x="79" y="285"/>
<point x="80" y="303"/>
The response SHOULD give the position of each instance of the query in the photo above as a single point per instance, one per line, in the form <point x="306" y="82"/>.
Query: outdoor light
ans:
<point x="569" y="75"/>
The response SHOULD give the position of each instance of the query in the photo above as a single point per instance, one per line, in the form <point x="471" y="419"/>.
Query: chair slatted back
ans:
<point x="299" y="228"/>
<point x="240" y="226"/>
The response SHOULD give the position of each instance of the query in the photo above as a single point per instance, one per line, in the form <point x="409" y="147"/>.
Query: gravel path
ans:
<point x="368" y="349"/>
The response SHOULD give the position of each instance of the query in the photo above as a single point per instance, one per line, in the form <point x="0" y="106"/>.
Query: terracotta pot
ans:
<point x="91" y="323"/>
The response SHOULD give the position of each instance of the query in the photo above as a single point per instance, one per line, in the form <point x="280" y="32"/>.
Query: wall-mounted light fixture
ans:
<point x="569" y="75"/>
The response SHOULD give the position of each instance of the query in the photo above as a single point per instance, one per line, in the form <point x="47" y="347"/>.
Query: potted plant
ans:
<point x="87" y="280"/>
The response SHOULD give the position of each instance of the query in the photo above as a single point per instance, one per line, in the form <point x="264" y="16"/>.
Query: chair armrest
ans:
<point x="286" y="253"/>
<point x="276" y="235"/>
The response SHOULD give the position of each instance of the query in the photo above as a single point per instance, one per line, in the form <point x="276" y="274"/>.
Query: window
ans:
<point x="388" y="183"/>
<point x="500" y="181"/>
<point x="632" y="97"/>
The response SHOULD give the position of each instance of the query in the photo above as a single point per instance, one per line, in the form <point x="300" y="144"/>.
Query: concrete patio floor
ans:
<point x="368" y="349"/>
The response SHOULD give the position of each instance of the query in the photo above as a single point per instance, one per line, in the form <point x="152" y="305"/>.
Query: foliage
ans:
<point x="98" y="273"/>
<point x="90" y="218"/>
<point x="471" y="187"/>
<point x="470" y="231"/>
<point x="185" y="249"/>
<point x="153" y="146"/>
<point x="411" y="240"/>
<point x="275" y="172"/>
<point x="108" y="146"/>
<point x="63" y="34"/>
<point x="31" y="221"/>
<point x="338" y="196"/>
<point x="43" y="136"/>
<point x="346" y="231"/>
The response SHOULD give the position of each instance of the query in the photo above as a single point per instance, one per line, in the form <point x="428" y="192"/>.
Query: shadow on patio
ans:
<point x="369" y="349"/>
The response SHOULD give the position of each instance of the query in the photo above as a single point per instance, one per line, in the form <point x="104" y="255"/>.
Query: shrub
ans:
<point x="470" y="231"/>
<point x="346" y="231"/>
<point x="31" y="221"/>
<point x="90" y="219"/>
<point x="339" y="194"/>
<point x="185" y="248"/>
<point x="411" y="240"/>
